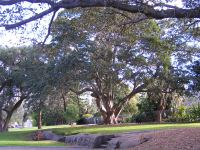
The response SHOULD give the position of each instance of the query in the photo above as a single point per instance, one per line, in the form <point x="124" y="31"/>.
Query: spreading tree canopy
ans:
<point x="106" y="59"/>
<point x="19" y="12"/>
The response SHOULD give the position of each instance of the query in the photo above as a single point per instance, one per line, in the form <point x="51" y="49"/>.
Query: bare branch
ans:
<point x="6" y="110"/>
<point x="38" y="16"/>
<point x="12" y="2"/>
<point x="129" y="96"/>
<point x="49" y="28"/>
<point x="146" y="9"/>
<point x="191" y="24"/>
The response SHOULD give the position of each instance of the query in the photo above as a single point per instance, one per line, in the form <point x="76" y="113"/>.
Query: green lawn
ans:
<point x="120" y="128"/>
<point x="21" y="137"/>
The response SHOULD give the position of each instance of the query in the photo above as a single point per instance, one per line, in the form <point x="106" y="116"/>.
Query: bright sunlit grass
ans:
<point x="120" y="128"/>
<point x="22" y="137"/>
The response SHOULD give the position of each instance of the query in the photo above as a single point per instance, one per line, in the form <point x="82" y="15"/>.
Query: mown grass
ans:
<point x="119" y="128"/>
<point x="22" y="137"/>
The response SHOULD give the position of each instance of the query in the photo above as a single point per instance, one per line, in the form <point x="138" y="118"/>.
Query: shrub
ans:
<point x="143" y="117"/>
<point x="194" y="113"/>
<point x="81" y="121"/>
<point x="127" y="120"/>
<point x="180" y="115"/>
<point x="146" y="111"/>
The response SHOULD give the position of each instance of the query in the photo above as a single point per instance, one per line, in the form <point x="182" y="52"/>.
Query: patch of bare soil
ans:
<point x="174" y="139"/>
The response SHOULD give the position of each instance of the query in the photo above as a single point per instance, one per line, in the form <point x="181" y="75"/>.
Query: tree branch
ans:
<point x="4" y="109"/>
<point x="149" y="11"/>
<point x="12" y="2"/>
<point x="49" y="28"/>
<point x="18" y="103"/>
<point x="129" y="96"/>
<point x="38" y="16"/>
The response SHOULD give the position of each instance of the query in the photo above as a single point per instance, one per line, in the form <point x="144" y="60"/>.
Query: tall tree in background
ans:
<point x="105" y="58"/>
<point x="25" y="69"/>
<point x="163" y="90"/>
<point x="170" y="80"/>
<point x="14" y="92"/>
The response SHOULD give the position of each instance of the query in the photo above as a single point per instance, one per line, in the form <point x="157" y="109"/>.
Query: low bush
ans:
<point x="194" y="113"/>
<point x="83" y="119"/>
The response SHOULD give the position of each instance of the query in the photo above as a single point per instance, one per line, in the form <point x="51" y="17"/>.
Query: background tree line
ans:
<point x="91" y="52"/>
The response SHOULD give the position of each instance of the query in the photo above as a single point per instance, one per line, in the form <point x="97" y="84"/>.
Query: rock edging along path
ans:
<point x="128" y="140"/>
<point x="112" y="141"/>
<point x="87" y="140"/>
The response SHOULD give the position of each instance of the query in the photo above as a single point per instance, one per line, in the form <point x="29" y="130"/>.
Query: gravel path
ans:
<point x="173" y="139"/>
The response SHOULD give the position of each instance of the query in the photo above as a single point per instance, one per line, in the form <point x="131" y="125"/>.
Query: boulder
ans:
<point x="38" y="136"/>
<point x="48" y="135"/>
<point x="127" y="141"/>
<point x="89" y="140"/>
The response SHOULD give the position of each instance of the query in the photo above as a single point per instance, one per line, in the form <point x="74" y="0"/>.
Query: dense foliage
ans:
<point x="110" y="54"/>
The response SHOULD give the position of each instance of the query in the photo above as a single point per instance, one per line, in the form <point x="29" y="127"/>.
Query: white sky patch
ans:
<point x="177" y="3"/>
<point x="29" y="34"/>
<point x="14" y="38"/>
<point x="24" y="37"/>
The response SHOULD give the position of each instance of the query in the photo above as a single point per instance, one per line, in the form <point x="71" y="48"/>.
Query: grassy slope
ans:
<point x="120" y="128"/>
<point x="21" y="137"/>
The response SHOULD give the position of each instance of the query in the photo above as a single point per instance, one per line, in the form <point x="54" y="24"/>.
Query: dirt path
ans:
<point x="172" y="139"/>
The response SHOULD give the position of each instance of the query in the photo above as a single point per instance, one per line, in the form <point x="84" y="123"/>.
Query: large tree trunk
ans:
<point x="158" y="117"/>
<point x="108" y="110"/>
<point x="9" y="115"/>
<point x="39" y="121"/>
<point x="110" y="118"/>
<point x="64" y="103"/>
<point x="4" y="124"/>
<point x="1" y="122"/>
<point x="1" y="126"/>
<point x="159" y="112"/>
